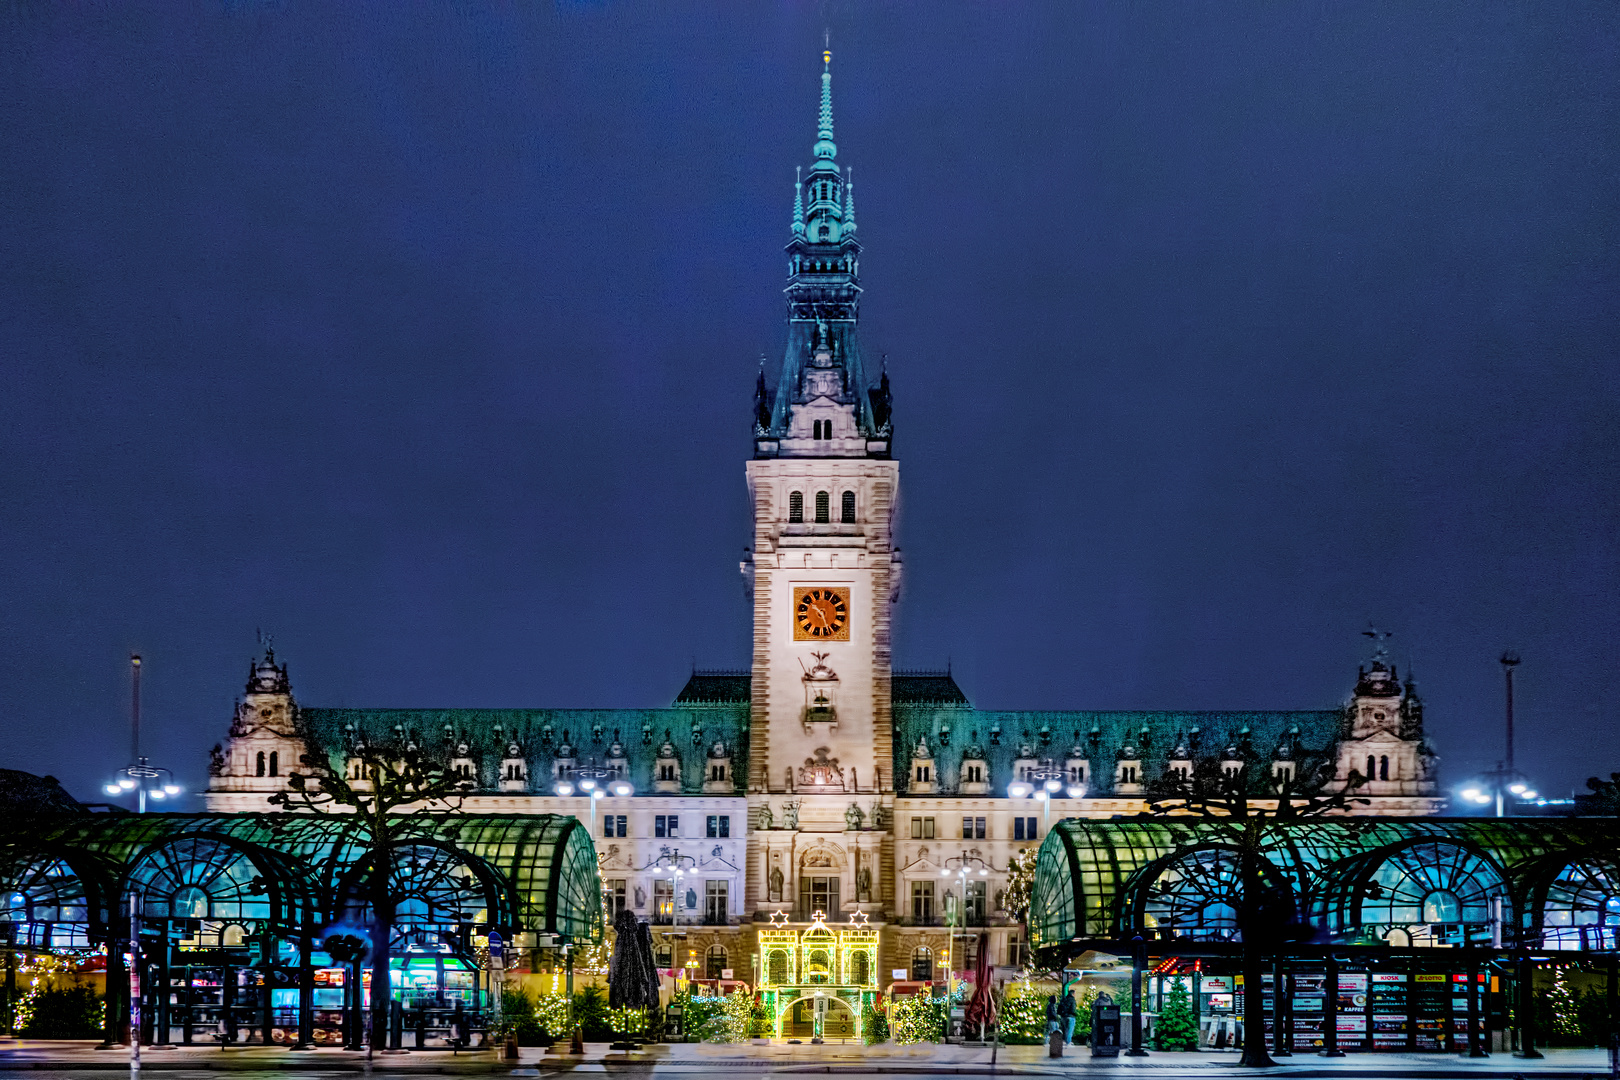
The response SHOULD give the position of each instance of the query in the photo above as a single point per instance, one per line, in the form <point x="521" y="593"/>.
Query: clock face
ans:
<point x="821" y="614"/>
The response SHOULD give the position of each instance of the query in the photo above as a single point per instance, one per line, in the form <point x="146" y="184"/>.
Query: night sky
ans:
<point x="423" y="336"/>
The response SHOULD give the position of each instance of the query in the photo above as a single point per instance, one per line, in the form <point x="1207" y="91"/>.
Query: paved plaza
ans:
<point x="38" y="1060"/>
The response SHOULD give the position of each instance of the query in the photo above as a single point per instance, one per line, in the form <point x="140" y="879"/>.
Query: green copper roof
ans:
<point x="1102" y="737"/>
<point x="540" y="734"/>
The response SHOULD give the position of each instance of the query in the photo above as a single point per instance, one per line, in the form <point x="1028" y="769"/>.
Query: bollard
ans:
<point x="1054" y="1043"/>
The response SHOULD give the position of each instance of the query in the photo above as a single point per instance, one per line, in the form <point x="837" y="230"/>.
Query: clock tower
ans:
<point x="823" y="572"/>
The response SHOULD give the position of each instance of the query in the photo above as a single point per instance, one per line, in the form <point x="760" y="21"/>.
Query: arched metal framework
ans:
<point x="285" y="873"/>
<point x="439" y="893"/>
<point x="1555" y="883"/>
<point x="1580" y="905"/>
<point x="1193" y="894"/>
<point x="49" y="905"/>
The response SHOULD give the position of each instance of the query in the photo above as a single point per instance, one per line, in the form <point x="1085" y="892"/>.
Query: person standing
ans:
<point x="1066" y="1014"/>
<point x="1052" y="1020"/>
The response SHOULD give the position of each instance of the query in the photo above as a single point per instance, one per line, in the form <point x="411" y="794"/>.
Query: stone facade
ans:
<point x="819" y="779"/>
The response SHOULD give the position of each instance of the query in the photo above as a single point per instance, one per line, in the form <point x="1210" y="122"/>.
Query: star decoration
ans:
<point x="857" y="918"/>
<point x="779" y="918"/>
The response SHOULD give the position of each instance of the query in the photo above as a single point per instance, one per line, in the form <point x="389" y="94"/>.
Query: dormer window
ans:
<point x="823" y="508"/>
<point x="796" y="508"/>
<point x="849" y="508"/>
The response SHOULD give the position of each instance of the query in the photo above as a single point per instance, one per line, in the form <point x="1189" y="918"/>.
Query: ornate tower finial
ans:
<point x="849" y="199"/>
<point x="825" y="148"/>
<point x="798" y="200"/>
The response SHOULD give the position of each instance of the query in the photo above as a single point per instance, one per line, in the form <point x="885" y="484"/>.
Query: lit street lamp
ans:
<point x="1043" y="783"/>
<point x="595" y="782"/>
<point x="140" y="776"/>
<point x="968" y="867"/>
<point x="1499" y="785"/>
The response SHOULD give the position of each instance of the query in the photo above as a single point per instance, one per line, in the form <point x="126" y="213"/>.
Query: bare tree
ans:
<point x="393" y="796"/>
<point x="1222" y="802"/>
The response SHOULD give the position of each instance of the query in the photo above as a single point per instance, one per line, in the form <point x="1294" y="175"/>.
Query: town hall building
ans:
<point x="819" y="787"/>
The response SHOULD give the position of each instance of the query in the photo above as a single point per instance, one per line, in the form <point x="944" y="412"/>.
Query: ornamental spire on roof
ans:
<point x="849" y="200"/>
<point x="825" y="147"/>
<point x="822" y="405"/>
<point x="798" y="201"/>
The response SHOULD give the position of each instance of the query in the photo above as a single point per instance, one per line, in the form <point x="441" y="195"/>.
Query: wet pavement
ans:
<point x="24" y="1060"/>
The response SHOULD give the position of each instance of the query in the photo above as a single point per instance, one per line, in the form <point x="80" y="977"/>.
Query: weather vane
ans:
<point x="1380" y="640"/>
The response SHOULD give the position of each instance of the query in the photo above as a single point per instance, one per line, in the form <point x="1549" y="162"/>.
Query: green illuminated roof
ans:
<point x="540" y="868"/>
<point x="1095" y="879"/>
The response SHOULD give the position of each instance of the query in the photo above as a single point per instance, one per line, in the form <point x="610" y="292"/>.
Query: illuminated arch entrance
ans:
<point x="835" y="966"/>
<point x="839" y="1018"/>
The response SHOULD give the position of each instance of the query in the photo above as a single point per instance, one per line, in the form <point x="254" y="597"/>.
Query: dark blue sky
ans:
<point x="423" y="335"/>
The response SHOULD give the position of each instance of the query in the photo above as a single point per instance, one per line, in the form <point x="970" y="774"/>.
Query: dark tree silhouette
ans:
<point x="393" y="796"/>
<point x="1223" y="803"/>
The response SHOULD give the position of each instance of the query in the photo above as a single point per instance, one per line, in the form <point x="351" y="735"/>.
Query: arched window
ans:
<point x="796" y="508"/>
<point x="1383" y="768"/>
<point x="261" y="762"/>
<point x="922" y="964"/>
<point x="1196" y="895"/>
<point x="275" y="763"/>
<point x="664" y="954"/>
<point x="849" y="508"/>
<point x="1438" y="890"/>
<point x="1372" y="767"/>
<point x="1582" y="907"/>
<point x="862" y="968"/>
<point x="716" y="961"/>
<point x="778" y="966"/>
<point x="823" y="509"/>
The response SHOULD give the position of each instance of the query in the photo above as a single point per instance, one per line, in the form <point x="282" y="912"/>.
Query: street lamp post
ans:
<point x="1497" y="785"/>
<point x="1509" y="661"/>
<point x="595" y="782"/>
<point x="1044" y="782"/>
<point x="967" y="868"/>
<point x="140" y="776"/>
<point x="675" y="863"/>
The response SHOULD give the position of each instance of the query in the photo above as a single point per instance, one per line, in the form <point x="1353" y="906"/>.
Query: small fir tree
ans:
<point x="1176" y="1029"/>
<point x="1022" y="1018"/>
<point x="1566" y="1025"/>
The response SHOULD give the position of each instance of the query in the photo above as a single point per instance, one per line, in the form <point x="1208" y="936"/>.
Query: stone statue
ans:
<point x="863" y="885"/>
<point x="216" y="761"/>
<point x="641" y="896"/>
<point x="853" y="817"/>
<point x="776" y="883"/>
<point x="766" y="819"/>
<point x="790" y="815"/>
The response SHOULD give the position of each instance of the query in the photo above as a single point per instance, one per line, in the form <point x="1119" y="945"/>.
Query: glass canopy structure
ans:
<point x="1536" y="883"/>
<point x="237" y="905"/>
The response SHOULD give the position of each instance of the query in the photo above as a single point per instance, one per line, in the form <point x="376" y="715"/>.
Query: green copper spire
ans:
<point x="825" y="147"/>
<point x="849" y="200"/>
<point x="798" y="201"/>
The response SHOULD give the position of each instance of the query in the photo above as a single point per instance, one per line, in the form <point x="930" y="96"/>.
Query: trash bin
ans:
<point x="1104" y="1027"/>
